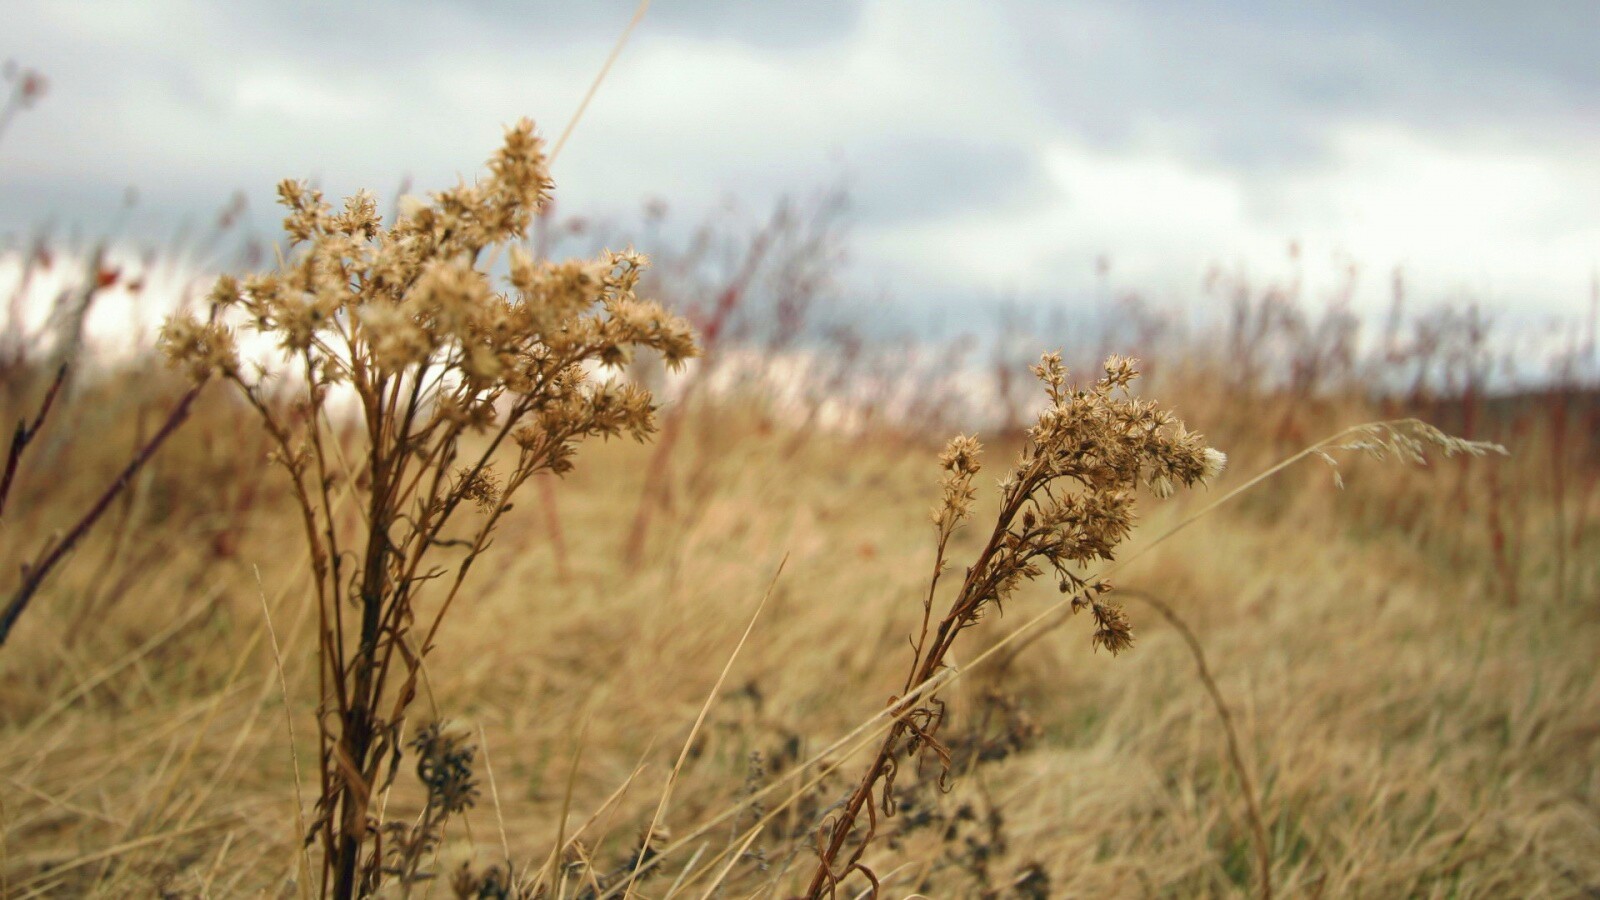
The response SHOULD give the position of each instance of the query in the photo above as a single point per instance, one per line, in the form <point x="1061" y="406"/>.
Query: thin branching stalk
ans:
<point x="465" y="392"/>
<point x="1405" y="439"/>
<point x="1067" y="502"/>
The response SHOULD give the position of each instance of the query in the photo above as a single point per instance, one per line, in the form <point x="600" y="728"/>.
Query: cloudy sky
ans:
<point x="989" y="148"/>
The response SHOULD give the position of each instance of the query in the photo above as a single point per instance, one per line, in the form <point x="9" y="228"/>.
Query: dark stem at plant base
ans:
<point x="25" y="433"/>
<point x="824" y="878"/>
<point x="357" y="719"/>
<point x="34" y="575"/>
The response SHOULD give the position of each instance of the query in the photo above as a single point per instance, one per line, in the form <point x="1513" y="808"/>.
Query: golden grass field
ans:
<point x="1409" y="729"/>
<point x="667" y="671"/>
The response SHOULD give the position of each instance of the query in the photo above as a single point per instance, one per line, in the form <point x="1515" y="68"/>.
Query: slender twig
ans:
<point x="34" y="575"/>
<point x="294" y="757"/>
<point x="25" y="433"/>
<point x="655" y="484"/>
<point x="1235" y="756"/>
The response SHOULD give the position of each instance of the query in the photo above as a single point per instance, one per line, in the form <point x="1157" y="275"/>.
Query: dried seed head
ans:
<point x="202" y="348"/>
<point x="410" y="301"/>
<point x="1070" y="499"/>
<point x="961" y="455"/>
<point x="480" y="486"/>
<point x="960" y="462"/>
<point x="1112" y="630"/>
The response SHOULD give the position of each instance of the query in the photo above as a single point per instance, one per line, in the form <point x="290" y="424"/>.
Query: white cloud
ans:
<point x="1055" y="132"/>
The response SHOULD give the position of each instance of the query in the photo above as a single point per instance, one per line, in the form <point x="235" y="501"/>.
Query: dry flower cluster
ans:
<point x="450" y="374"/>
<point x="1068" y="502"/>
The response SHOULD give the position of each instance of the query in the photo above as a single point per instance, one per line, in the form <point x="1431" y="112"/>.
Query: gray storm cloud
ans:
<point x="986" y="146"/>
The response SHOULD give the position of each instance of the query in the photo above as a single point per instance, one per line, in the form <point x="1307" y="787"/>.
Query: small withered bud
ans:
<point x="480" y="486"/>
<point x="203" y="349"/>
<point x="960" y="462"/>
<point x="961" y="455"/>
<point x="444" y="765"/>
<point x="1112" y="629"/>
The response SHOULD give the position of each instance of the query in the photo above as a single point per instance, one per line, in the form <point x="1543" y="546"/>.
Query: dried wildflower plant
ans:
<point x="1066" y="503"/>
<point x="465" y="392"/>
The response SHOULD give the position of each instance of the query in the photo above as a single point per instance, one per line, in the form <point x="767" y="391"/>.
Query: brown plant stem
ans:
<point x="1235" y="757"/>
<point x="25" y="433"/>
<point x="656" y="486"/>
<point x="34" y="575"/>
<point x="978" y="588"/>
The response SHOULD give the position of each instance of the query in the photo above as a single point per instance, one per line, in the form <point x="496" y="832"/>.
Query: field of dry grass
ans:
<point x="668" y="670"/>
<point x="1409" y="728"/>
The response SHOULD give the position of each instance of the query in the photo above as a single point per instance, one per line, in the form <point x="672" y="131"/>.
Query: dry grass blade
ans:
<point x="694" y="731"/>
<point x="83" y="688"/>
<point x="1258" y="829"/>
<point x="55" y="873"/>
<point x="679" y="883"/>
<point x="59" y="803"/>
<point x="733" y="860"/>
<point x="552" y="865"/>
<point x="494" y="794"/>
<point x="594" y="86"/>
<point x="606" y="808"/>
<point x="155" y="803"/>
<point x="5" y="849"/>
<point x="300" y="832"/>
<point x="853" y="742"/>
<point x="216" y="865"/>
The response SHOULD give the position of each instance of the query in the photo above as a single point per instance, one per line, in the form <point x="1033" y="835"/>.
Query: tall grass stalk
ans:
<point x="1068" y="501"/>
